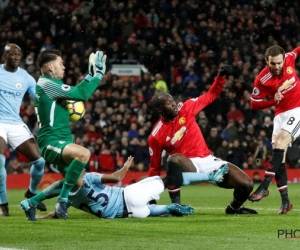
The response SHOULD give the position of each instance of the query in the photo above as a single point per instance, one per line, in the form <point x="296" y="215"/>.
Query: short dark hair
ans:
<point x="274" y="50"/>
<point x="47" y="56"/>
<point x="156" y="100"/>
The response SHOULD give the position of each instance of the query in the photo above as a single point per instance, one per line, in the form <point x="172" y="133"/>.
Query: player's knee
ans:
<point x="84" y="155"/>
<point x="174" y="158"/>
<point x="248" y="184"/>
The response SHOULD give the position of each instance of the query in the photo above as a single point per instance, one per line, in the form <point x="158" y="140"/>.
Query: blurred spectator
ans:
<point x="160" y="84"/>
<point x="236" y="154"/>
<point x="222" y="151"/>
<point x="260" y="154"/>
<point x="214" y="140"/>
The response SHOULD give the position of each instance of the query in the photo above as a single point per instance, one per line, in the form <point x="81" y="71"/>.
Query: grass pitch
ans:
<point x="208" y="228"/>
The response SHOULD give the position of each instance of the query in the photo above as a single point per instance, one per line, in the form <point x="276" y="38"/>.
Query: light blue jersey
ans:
<point x="98" y="199"/>
<point x="13" y="86"/>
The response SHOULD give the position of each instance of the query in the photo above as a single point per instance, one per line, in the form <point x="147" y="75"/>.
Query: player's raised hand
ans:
<point x="128" y="163"/>
<point x="225" y="70"/>
<point x="99" y="66"/>
<point x="91" y="64"/>
<point x="91" y="67"/>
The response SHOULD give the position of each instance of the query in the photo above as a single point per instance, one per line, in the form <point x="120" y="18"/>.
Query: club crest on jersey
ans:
<point x="182" y="120"/>
<point x="65" y="87"/>
<point x="289" y="70"/>
<point x="18" y="85"/>
<point x="255" y="91"/>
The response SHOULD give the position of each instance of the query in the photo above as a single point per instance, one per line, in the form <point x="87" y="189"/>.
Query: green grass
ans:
<point x="208" y="228"/>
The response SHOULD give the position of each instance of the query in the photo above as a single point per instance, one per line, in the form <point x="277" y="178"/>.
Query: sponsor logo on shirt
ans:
<point x="289" y="70"/>
<point x="287" y="84"/>
<point x="178" y="135"/>
<point x="182" y="120"/>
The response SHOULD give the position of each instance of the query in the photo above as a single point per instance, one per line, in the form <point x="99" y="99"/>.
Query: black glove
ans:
<point x="225" y="70"/>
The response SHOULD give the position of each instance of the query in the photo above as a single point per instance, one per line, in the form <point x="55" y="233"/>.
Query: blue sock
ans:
<point x="156" y="210"/>
<point x="36" y="174"/>
<point x="192" y="177"/>
<point x="3" y="175"/>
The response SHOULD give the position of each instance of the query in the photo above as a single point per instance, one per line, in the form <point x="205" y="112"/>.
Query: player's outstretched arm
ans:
<point x="118" y="175"/>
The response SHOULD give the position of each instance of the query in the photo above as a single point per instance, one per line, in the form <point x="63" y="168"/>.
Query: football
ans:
<point x="76" y="110"/>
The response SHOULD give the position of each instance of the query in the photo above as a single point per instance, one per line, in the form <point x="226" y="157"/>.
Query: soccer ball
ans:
<point x="76" y="110"/>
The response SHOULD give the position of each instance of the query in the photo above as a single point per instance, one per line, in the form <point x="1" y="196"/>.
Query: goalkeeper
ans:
<point x="54" y="135"/>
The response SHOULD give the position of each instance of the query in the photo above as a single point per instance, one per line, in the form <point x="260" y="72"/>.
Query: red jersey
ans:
<point x="266" y="85"/>
<point x="182" y="134"/>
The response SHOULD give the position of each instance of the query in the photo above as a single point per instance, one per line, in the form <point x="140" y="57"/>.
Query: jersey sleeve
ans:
<point x="296" y="51"/>
<point x="155" y="151"/>
<point x="31" y="85"/>
<point x="58" y="90"/>
<point x="197" y="104"/>
<point x="260" y="98"/>
<point x="93" y="178"/>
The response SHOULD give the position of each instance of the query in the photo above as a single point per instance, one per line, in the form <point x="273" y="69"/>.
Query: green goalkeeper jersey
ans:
<point x="51" y="110"/>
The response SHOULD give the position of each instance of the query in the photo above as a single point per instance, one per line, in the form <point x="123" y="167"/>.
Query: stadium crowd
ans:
<point x="181" y="44"/>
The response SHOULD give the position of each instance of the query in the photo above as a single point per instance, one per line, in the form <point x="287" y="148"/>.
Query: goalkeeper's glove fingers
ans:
<point x="225" y="70"/>
<point x="99" y="64"/>
<point x="90" y="67"/>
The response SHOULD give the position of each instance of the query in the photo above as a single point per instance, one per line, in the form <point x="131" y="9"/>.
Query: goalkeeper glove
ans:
<point x="99" y="66"/>
<point x="90" y="67"/>
<point x="225" y="70"/>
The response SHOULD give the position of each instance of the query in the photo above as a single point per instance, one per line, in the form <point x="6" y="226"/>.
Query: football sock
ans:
<point x="281" y="182"/>
<point x="3" y="176"/>
<point x="156" y="210"/>
<point x="51" y="191"/>
<point x="36" y="174"/>
<point x="191" y="177"/>
<point x="174" y="181"/>
<point x="239" y="197"/>
<point x="270" y="172"/>
<point x="73" y="173"/>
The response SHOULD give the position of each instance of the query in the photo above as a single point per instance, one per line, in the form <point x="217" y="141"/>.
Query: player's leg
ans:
<point x="242" y="185"/>
<point x="285" y="131"/>
<point x="30" y="149"/>
<point x="29" y="205"/>
<point x="3" y="174"/>
<point x="184" y="171"/>
<point x="76" y="157"/>
<point x="281" y="182"/>
<point x="137" y="196"/>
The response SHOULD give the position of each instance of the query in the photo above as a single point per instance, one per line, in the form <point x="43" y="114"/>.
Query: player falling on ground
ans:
<point x="14" y="83"/>
<point x="54" y="135"/>
<point x="93" y="196"/>
<point x="179" y="135"/>
<point x="278" y="85"/>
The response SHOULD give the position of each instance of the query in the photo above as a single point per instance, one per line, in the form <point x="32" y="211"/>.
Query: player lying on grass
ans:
<point x="93" y="196"/>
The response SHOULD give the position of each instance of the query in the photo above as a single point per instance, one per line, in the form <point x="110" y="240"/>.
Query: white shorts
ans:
<point x="207" y="164"/>
<point x="15" y="134"/>
<point x="138" y="195"/>
<point x="289" y="121"/>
